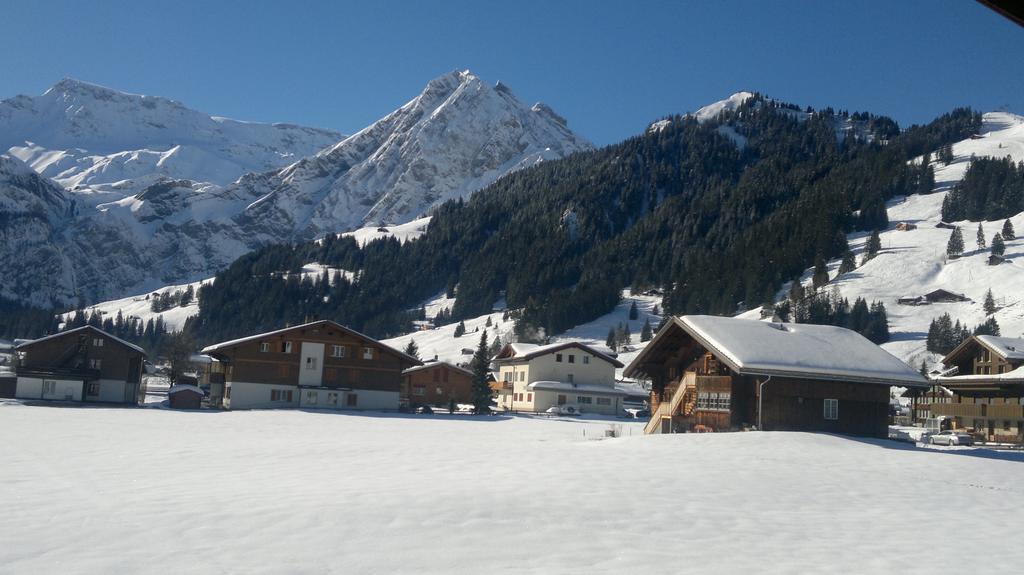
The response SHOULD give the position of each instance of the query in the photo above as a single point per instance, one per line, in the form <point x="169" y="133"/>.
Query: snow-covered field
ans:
<point x="310" y="492"/>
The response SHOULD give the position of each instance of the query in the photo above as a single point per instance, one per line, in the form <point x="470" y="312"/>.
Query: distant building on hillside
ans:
<point x="987" y="395"/>
<point x="321" y="365"/>
<point x="536" y="378"/>
<point x="436" y="383"/>
<point x="712" y="373"/>
<point x="82" y="364"/>
<point x="945" y="296"/>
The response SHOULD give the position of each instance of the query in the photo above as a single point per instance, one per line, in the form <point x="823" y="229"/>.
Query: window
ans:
<point x="351" y="399"/>
<point x="572" y="358"/>
<point x="93" y="388"/>
<point x="337" y="351"/>
<point x="584" y="399"/>
<point x="312" y="397"/>
<point x="418" y="390"/>
<point x="311" y="363"/>
<point x="49" y="387"/>
<point x="227" y="392"/>
<point x="367" y="353"/>
<point x="831" y="409"/>
<point x="281" y="395"/>
<point x="712" y="401"/>
<point x="507" y="376"/>
<point x="97" y="342"/>
<point x="561" y="400"/>
<point x="286" y="347"/>
<point x="529" y="397"/>
<point x="522" y="376"/>
<point x="570" y="377"/>
<point x="604" y="401"/>
<point x="586" y="359"/>
<point x="332" y="398"/>
<point x="558" y="357"/>
<point x="95" y="364"/>
<point x="264" y="346"/>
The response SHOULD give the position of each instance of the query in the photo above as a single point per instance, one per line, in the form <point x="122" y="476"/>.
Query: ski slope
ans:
<point x="912" y="263"/>
<point x="289" y="491"/>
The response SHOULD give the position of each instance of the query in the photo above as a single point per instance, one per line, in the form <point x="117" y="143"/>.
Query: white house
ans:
<point x="535" y="378"/>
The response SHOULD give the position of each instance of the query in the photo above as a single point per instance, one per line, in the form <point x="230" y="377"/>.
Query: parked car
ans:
<point x="425" y="409"/>
<point x="950" y="437"/>
<point x="563" y="410"/>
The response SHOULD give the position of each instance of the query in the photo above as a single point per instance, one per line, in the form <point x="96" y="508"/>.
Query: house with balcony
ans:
<point x="711" y="373"/>
<point x="537" y="377"/>
<point x="84" y="364"/>
<point x="436" y="383"/>
<point x="986" y="386"/>
<point x="316" y="365"/>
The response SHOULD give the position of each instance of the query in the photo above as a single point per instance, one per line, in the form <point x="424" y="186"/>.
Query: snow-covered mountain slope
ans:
<point x="914" y="262"/>
<point x="106" y="145"/>
<point x="456" y="137"/>
<point x="140" y="307"/>
<point x="711" y="111"/>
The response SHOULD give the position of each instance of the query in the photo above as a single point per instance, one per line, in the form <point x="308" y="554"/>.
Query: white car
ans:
<point x="562" y="410"/>
<point x="950" y="437"/>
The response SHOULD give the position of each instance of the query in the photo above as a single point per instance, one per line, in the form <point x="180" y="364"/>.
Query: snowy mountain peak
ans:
<point x="711" y="111"/>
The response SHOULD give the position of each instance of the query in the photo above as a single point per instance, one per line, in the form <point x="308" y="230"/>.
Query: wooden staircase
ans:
<point x="684" y="397"/>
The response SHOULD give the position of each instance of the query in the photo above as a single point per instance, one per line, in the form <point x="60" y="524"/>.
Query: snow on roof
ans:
<point x="184" y="387"/>
<point x="350" y="331"/>
<point x="583" y="387"/>
<point x="429" y="364"/>
<point x="799" y="350"/>
<point x="1015" y="376"/>
<point x="1005" y="347"/>
<point x="200" y="358"/>
<point x="526" y="351"/>
<point x="78" y="329"/>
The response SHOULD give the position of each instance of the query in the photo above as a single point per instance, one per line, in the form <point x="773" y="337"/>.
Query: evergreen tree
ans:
<point x="627" y="337"/>
<point x="990" y="303"/>
<point x="1008" y="233"/>
<point x="820" y="277"/>
<point x="924" y="368"/>
<point x="611" y="339"/>
<point x="848" y="264"/>
<point x="873" y="246"/>
<point x="645" y="331"/>
<point x="481" y="367"/>
<point x="412" y="349"/>
<point x="946" y="154"/>
<point x="460" y="329"/>
<point x="989" y="327"/>
<point x="633" y="312"/>
<point x="955" y="245"/>
<point x="981" y="237"/>
<point x="998" y="246"/>
<point x="489" y="322"/>
<point x="656" y="310"/>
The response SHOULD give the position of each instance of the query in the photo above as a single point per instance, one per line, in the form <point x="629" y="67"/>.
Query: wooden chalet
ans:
<point x="436" y="383"/>
<point x="82" y="364"/>
<point x="945" y="296"/>
<point x="987" y="394"/>
<point x="719" y="374"/>
<point x="319" y="365"/>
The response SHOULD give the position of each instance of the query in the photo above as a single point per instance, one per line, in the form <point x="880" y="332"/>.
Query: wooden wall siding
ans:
<point x="458" y="387"/>
<point x="798" y="405"/>
<point x="249" y="364"/>
<point x="117" y="361"/>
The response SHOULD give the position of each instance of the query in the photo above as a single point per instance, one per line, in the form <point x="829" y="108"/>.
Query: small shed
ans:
<point x="185" y="396"/>
<point x="906" y="226"/>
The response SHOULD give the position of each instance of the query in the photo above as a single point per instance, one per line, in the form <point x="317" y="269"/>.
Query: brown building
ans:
<point x="83" y="364"/>
<point x="321" y="365"/>
<point x="712" y="373"/>
<point x="436" y="383"/>
<point x="987" y="394"/>
<point x="185" y="396"/>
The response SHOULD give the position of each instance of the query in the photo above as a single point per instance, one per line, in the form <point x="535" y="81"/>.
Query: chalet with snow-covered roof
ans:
<point x="570" y="374"/>
<point x="82" y="364"/>
<point x="718" y="374"/>
<point x="945" y="296"/>
<point x="987" y="391"/>
<point x="436" y="383"/>
<point x="316" y="365"/>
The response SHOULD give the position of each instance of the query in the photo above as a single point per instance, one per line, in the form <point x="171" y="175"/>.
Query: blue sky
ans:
<point x="609" y="68"/>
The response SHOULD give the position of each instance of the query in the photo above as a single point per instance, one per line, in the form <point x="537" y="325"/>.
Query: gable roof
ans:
<point x="95" y="330"/>
<point x="180" y="387"/>
<point x="1008" y="348"/>
<point x="528" y="351"/>
<point x="430" y="364"/>
<point x="230" y="343"/>
<point x="797" y="350"/>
